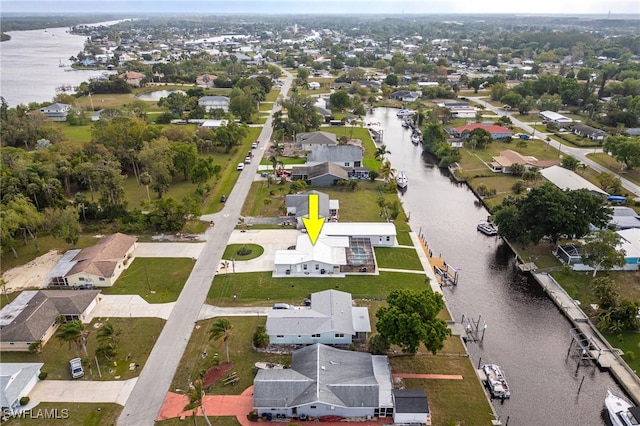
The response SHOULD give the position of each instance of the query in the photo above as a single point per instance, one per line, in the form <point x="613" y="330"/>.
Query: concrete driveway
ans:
<point x="191" y="250"/>
<point x="270" y="239"/>
<point x="82" y="391"/>
<point x="128" y="306"/>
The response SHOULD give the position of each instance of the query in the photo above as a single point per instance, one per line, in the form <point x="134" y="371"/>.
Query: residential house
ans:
<point x="33" y="315"/>
<point x="326" y="381"/>
<point x="338" y="86"/>
<point x="206" y="80"/>
<point x="379" y="234"/>
<point x="343" y="155"/>
<point x="16" y="381"/>
<point x="497" y="132"/>
<point x="213" y="124"/>
<point x="210" y="103"/>
<point x="629" y="243"/>
<point x="459" y="109"/>
<point x="313" y="85"/>
<point x="133" y="78"/>
<point x="306" y="141"/>
<point x="624" y="218"/>
<point x="411" y="407"/>
<point x="56" y="112"/>
<point x="330" y="318"/>
<point x="323" y="174"/>
<point x="405" y="95"/>
<point x="298" y="206"/>
<point x="554" y="117"/>
<point x="567" y="180"/>
<point x="507" y="158"/>
<point x="99" y="265"/>
<point x="589" y="132"/>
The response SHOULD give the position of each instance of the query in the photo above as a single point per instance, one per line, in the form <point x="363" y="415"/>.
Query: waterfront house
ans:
<point x="307" y="141"/>
<point x="571" y="253"/>
<point x="34" y="315"/>
<point x="323" y="174"/>
<point x="343" y="155"/>
<point x="325" y="381"/>
<point x="567" y="180"/>
<point x="329" y="318"/>
<point x="411" y="407"/>
<point x="502" y="163"/>
<point x="497" y="132"/>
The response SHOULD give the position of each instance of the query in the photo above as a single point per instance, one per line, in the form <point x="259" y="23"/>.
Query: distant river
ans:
<point x="30" y="68"/>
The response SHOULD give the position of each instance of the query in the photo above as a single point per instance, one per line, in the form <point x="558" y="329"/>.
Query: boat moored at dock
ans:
<point x="487" y="228"/>
<point x="402" y="180"/>
<point x="621" y="412"/>
<point x="495" y="381"/>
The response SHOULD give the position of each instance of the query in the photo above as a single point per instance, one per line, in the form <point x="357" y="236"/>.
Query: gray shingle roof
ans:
<point x="410" y="401"/>
<point x="14" y="377"/>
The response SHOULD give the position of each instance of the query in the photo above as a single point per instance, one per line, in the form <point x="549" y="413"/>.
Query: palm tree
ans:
<point x="381" y="151"/>
<point x="221" y="329"/>
<point x="108" y="334"/>
<point x="74" y="332"/>
<point x="386" y="171"/>
<point x="107" y="350"/>
<point x="196" y="399"/>
<point x="145" y="179"/>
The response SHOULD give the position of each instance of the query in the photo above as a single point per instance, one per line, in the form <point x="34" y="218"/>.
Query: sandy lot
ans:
<point x="32" y="274"/>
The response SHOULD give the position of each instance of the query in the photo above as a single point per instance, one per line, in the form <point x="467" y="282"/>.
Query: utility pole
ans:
<point x="146" y="273"/>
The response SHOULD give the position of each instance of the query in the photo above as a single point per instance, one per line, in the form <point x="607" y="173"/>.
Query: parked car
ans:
<point x="254" y="145"/>
<point x="75" y="365"/>
<point x="223" y="198"/>
<point x="240" y="166"/>
<point x="247" y="160"/>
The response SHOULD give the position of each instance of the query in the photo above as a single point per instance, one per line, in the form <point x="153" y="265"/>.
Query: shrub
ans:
<point x="24" y="400"/>
<point x="252" y="416"/>
<point x="43" y="375"/>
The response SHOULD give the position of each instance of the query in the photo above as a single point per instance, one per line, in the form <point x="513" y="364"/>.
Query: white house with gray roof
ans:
<point x="325" y="381"/>
<point x="210" y="103"/>
<point x="307" y="141"/>
<point x="16" y="381"/>
<point x="346" y="156"/>
<point x="330" y="319"/>
<point x="298" y="206"/>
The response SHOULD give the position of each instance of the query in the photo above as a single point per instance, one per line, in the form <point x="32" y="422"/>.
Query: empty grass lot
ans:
<point x="156" y="280"/>
<point x="261" y="289"/>
<point x="138" y="335"/>
<point x="398" y="258"/>
<point x="102" y="414"/>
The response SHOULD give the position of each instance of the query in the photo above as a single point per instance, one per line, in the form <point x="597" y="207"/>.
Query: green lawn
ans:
<point x="156" y="280"/>
<point x="77" y="133"/>
<point x="356" y="132"/>
<point x="398" y="258"/>
<point x="135" y="342"/>
<point x="71" y="414"/>
<point x="261" y="289"/>
<point x="232" y="251"/>
<point x="616" y="167"/>
<point x="265" y="200"/>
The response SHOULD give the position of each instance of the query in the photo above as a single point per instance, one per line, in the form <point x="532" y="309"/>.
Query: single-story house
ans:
<point x="556" y="118"/>
<point x="33" y="315"/>
<point x="313" y="85"/>
<point x="134" y="78"/>
<point x="330" y="319"/>
<point x="567" y="180"/>
<point x="16" y="381"/>
<point x="379" y="234"/>
<point x="405" y="95"/>
<point x="57" y="111"/>
<point x="325" y="381"/>
<point x="629" y="242"/>
<point x="411" y="407"/>
<point x="306" y="141"/>
<point x="459" y="109"/>
<point x="213" y="124"/>
<point x="210" y="103"/>
<point x="298" y="206"/>
<point x="342" y="155"/>
<point x="507" y="158"/>
<point x="97" y="266"/>
<point x="497" y="132"/>
<point x="323" y="174"/>
<point x="589" y="132"/>
<point x="624" y="218"/>
<point x="206" y="80"/>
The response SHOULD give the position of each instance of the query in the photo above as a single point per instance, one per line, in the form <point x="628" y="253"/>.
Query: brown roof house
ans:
<point x="134" y="78"/>
<point x="507" y="158"/>
<point x="96" y="266"/>
<point x="34" y="315"/>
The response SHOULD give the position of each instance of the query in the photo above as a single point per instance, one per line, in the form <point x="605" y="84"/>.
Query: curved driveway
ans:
<point x="146" y="399"/>
<point x="578" y="153"/>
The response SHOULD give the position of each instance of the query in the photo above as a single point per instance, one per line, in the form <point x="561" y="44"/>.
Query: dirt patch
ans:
<point x="32" y="274"/>
<point x="216" y="373"/>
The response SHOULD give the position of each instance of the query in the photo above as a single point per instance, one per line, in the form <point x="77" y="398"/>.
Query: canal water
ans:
<point x="526" y="334"/>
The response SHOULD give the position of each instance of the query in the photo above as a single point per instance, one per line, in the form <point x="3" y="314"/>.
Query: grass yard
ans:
<point x="261" y="289"/>
<point x="77" y="133"/>
<point x="138" y="335"/>
<point x="232" y="251"/>
<point x="264" y="200"/>
<point x="628" y="342"/>
<point x="241" y="353"/>
<point x="452" y="402"/>
<point x="156" y="280"/>
<point x="102" y="414"/>
<point x="398" y="258"/>
<point x="616" y="167"/>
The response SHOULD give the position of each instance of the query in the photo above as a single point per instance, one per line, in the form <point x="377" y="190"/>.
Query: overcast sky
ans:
<point x="324" y="6"/>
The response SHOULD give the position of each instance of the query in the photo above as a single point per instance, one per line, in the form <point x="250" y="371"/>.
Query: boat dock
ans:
<point x="587" y="341"/>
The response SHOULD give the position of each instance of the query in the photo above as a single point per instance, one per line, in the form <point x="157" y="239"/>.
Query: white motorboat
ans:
<point x="416" y="137"/>
<point x="402" y="180"/>
<point x="487" y="228"/>
<point x="621" y="411"/>
<point x="495" y="381"/>
<point x="405" y="112"/>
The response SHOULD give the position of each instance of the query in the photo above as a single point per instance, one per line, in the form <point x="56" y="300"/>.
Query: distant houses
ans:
<point x="502" y="163"/>
<point x="554" y="117"/>
<point x="497" y="132"/>
<point x="211" y="103"/>
<point x="56" y="112"/>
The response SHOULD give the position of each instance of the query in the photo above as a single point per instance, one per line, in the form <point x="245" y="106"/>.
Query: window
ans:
<point x="81" y="279"/>
<point x="299" y="337"/>
<point x="339" y="335"/>
<point x="347" y="164"/>
<point x="317" y="266"/>
<point x="315" y="336"/>
<point x="101" y="279"/>
<point x="313" y="407"/>
<point x="304" y="266"/>
<point x="280" y="336"/>
<point x="388" y="238"/>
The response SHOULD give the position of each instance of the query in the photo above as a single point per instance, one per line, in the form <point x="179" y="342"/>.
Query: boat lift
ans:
<point x="474" y="329"/>
<point x="582" y="349"/>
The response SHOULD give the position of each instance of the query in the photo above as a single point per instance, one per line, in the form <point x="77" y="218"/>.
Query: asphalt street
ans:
<point x="148" y="394"/>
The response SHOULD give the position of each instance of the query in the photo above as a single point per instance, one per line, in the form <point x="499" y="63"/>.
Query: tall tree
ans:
<point x="75" y="333"/>
<point x="157" y="160"/>
<point x="601" y="250"/>
<point x="196" y="394"/>
<point x="221" y="330"/>
<point x="411" y="318"/>
<point x="184" y="157"/>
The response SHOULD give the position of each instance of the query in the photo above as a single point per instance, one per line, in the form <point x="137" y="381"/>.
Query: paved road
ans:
<point x="147" y="396"/>
<point x="580" y="154"/>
